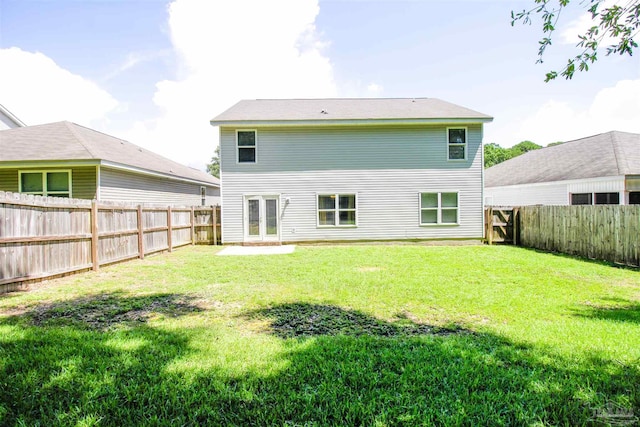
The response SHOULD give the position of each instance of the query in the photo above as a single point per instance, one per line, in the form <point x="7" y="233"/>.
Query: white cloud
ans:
<point x="613" y="108"/>
<point x="229" y="51"/>
<point x="374" y="90"/>
<point x="37" y="90"/>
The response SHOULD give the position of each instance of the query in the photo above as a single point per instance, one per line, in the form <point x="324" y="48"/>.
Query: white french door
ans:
<point x="261" y="218"/>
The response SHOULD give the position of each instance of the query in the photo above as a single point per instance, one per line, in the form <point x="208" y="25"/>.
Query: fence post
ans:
<point x="490" y="225"/>
<point x="94" y="235"/>
<point x="140" y="234"/>
<point x="514" y="225"/>
<point x="193" y="226"/>
<point x="169" y="231"/>
<point x="215" y="225"/>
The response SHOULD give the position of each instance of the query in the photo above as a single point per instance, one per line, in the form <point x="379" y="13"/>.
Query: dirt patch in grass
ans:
<point x="306" y="320"/>
<point x="106" y="310"/>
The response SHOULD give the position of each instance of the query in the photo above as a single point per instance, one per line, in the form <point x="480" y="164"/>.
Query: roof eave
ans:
<point x="12" y="164"/>
<point x="350" y="122"/>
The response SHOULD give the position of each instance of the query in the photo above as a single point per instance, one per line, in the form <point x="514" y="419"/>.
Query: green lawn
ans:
<point x="329" y="335"/>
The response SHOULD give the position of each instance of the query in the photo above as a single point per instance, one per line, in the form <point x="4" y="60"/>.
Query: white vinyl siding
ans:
<point x="388" y="204"/>
<point x="553" y="193"/>
<point x="385" y="167"/>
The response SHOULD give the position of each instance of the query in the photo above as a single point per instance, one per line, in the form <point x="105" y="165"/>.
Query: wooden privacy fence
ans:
<point x="498" y="224"/>
<point x="605" y="232"/>
<point x="43" y="237"/>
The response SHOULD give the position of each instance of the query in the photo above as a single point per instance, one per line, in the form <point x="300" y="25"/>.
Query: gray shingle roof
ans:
<point x="345" y="109"/>
<point x="66" y="141"/>
<point x="608" y="154"/>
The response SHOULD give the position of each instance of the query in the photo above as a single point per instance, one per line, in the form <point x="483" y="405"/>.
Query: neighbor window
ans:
<point x="336" y="210"/>
<point x="457" y="143"/>
<point x="595" y="199"/>
<point x="46" y="183"/>
<point x="246" y="146"/>
<point x="581" y="199"/>
<point x="203" y="194"/>
<point x="607" y="198"/>
<point x="438" y="208"/>
<point x="634" y="198"/>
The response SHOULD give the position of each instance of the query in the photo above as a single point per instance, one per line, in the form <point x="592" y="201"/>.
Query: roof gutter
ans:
<point x="350" y="122"/>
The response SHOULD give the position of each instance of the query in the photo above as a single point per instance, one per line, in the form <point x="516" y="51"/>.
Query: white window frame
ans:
<point x="464" y="144"/>
<point x="43" y="173"/>
<point x="439" y="209"/>
<point x="336" y="210"/>
<point x="255" y="147"/>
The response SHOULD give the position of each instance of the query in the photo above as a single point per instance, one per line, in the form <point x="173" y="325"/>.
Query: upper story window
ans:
<point x="56" y="183"/>
<point x="337" y="210"/>
<point x="246" y="143"/>
<point x="457" y="143"/>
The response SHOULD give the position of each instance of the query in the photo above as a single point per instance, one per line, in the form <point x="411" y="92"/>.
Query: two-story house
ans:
<point x="350" y="169"/>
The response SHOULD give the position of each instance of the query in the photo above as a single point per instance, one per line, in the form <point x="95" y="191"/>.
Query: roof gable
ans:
<point x="609" y="154"/>
<point x="345" y="110"/>
<point x="66" y="141"/>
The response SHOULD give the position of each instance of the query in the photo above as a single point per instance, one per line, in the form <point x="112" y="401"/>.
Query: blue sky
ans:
<point x="154" y="72"/>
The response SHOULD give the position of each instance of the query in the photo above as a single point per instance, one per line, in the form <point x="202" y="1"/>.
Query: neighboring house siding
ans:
<point x="83" y="180"/>
<point x="118" y="185"/>
<point x="9" y="180"/>
<point x="386" y="167"/>
<point x="551" y="193"/>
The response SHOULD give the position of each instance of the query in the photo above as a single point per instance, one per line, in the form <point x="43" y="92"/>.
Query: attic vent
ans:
<point x="324" y="112"/>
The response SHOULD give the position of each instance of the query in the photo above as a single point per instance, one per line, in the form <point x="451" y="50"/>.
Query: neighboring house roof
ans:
<point x="9" y="115"/>
<point x="608" y="154"/>
<point x="66" y="141"/>
<point x="346" y="111"/>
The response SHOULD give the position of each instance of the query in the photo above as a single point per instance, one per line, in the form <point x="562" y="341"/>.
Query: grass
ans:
<point x="344" y="335"/>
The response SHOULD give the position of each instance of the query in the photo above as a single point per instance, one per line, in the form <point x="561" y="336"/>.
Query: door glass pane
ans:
<point x="272" y="217"/>
<point x="347" y="201"/>
<point x="254" y="217"/>
<point x="449" y="216"/>
<point x="347" y="217"/>
<point x="31" y="182"/>
<point x="326" y="202"/>
<point x="57" y="181"/>
<point x="449" y="200"/>
<point x="429" y="216"/>
<point x="429" y="200"/>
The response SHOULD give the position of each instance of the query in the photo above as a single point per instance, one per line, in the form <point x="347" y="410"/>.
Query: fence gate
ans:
<point x="499" y="225"/>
